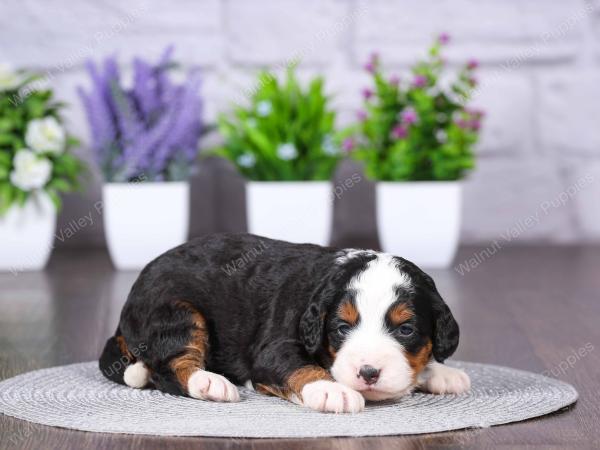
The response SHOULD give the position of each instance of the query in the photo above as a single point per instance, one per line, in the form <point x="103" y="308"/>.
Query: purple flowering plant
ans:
<point x="149" y="131"/>
<point x="414" y="128"/>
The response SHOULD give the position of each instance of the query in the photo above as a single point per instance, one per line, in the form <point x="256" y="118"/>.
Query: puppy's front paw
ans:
<point x="329" y="396"/>
<point x="442" y="379"/>
<point x="211" y="386"/>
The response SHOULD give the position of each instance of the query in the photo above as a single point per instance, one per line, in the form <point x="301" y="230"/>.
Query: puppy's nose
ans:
<point x="369" y="373"/>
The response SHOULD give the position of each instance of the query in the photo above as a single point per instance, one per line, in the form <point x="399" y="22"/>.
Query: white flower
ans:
<point x="441" y="136"/>
<point x="264" y="108"/>
<point x="9" y="79"/>
<point x="287" y="151"/>
<point x="329" y="147"/>
<point x="45" y="135"/>
<point x="246" y="160"/>
<point x="30" y="170"/>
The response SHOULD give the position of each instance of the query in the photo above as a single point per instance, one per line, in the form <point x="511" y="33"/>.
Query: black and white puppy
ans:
<point x="326" y="328"/>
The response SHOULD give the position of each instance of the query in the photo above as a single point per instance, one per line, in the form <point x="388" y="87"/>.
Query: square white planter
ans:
<point x="294" y="211"/>
<point x="144" y="220"/>
<point x="27" y="234"/>
<point x="420" y="221"/>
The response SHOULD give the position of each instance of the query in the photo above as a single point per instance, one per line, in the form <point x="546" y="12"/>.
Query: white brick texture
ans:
<point x="584" y="183"/>
<point x="493" y="31"/>
<point x="63" y="34"/>
<point x="507" y="99"/>
<point x="274" y="31"/>
<point x="569" y="112"/>
<point x="507" y="200"/>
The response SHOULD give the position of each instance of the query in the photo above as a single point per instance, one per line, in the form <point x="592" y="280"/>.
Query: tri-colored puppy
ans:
<point x="326" y="328"/>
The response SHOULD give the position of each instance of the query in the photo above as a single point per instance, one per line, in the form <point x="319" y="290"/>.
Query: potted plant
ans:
<point x="145" y="140"/>
<point x="283" y="143"/>
<point x="415" y="138"/>
<point x="36" y="165"/>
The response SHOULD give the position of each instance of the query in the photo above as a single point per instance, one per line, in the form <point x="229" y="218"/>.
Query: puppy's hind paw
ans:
<point x="329" y="396"/>
<point x="136" y="375"/>
<point x="211" y="386"/>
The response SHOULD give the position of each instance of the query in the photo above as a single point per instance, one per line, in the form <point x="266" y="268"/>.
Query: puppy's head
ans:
<point x="378" y="320"/>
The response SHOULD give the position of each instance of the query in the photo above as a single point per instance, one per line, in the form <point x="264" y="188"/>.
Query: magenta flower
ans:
<point x="462" y="123"/>
<point x="371" y="65"/>
<point x="420" y="81"/>
<point x="394" y="80"/>
<point x="361" y="115"/>
<point x="409" y="116"/>
<point x="472" y="64"/>
<point x="476" y="113"/>
<point x="399" y="132"/>
<point x="475" y="125"/>
<point x="443" y="38"/>
<point x="348" y="145"/>
<point x="367" y="93"/>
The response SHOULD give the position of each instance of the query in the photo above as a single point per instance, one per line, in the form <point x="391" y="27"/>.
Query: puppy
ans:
<point x="322" y="327"/>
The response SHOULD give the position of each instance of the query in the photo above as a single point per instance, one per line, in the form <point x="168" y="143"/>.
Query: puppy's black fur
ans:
<point x="266" y="317"/>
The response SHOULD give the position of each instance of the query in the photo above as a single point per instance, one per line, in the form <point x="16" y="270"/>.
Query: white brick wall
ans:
<point x="509" y="104"/>
<point x="492" y="30"/>
<point x="570" y="111"/>
<point x="263" y="32"/>
<point x="540" y="85"/>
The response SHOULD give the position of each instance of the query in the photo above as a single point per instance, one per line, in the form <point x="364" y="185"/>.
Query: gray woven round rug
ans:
<point x="79" y="397"/>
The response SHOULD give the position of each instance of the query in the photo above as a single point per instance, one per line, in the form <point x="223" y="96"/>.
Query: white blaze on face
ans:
<point x="370" y="343"/>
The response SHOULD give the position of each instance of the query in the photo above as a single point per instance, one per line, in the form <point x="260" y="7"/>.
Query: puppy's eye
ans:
<point x="406" y="329"/>
<point x="343" y="329"/>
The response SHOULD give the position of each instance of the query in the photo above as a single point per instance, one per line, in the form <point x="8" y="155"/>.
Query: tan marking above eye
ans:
<point x="400" y="314"/>
<point x="348" y="313"/>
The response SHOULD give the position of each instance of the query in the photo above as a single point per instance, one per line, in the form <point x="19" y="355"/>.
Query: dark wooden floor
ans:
<point x="529" y="308"/>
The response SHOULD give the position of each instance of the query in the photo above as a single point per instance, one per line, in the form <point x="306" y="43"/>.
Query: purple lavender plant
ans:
<point x="148" y="132"/>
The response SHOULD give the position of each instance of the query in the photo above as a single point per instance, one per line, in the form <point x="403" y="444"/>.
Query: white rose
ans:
<point x="30" y="170"/>
<point x="45" y="135"/>
<point x="9" y="79"/>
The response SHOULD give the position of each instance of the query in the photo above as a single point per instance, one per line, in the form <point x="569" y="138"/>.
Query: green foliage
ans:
<point x="19" y="105"/>
<point x="418" y="129"/>
<point x="287" y="132"/>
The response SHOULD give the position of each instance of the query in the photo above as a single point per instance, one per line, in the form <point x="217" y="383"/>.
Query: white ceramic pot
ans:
<point x="27" y="234"/>
<point x="295" y="211"/>
<point x="143" y="220"/>
<point x="420" y="221"/>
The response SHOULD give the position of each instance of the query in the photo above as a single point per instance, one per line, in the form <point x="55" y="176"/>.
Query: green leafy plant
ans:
<point x="418" y="129"/>
<point x="34" y="147"/>
<point x="286" y="134"/>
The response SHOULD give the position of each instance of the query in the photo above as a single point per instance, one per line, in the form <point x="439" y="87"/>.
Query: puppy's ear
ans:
<point x="445" y="330"/>
<point x="312" y="322"/>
